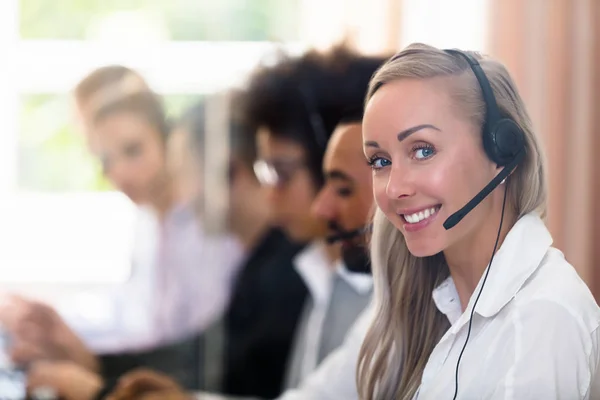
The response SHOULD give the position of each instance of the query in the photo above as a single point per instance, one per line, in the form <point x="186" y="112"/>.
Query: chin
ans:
<point x="423" y="248"/>
<point x="296" y="235"/>
<point x="137" y="200"/>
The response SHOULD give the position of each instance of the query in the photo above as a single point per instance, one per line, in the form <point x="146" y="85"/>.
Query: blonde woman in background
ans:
<point x="446" y="324"/>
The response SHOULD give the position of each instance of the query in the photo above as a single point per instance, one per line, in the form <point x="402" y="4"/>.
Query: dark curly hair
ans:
<point x="303" y="98"/>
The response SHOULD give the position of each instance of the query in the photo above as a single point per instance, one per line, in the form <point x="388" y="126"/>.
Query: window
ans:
<point x="174" y="20"/>
<point x="63" y="221"/>
<point x="57" y="208"/>
<point x="445" y="24"/>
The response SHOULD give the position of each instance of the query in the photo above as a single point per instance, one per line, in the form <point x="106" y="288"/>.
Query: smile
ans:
<point x="422" y="215"/>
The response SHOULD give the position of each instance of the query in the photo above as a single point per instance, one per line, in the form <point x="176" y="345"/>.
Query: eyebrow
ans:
<point x="405" y="133"/>
<point x="336" y="174"/>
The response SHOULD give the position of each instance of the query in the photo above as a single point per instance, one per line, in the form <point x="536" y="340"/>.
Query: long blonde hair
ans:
<point x="407" y="325"/>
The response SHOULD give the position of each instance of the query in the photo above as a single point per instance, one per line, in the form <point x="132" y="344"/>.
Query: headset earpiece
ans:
<point x="503" y="142"/>
<point x="503" y="139"/>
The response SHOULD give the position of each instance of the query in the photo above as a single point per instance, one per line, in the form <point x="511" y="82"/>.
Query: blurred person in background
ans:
<point x="100" y="86"/>
<point x="295" y="106"/>
<point x="181" y="277"/>
<point x="268" y="296"/>
<point x="190" y="271"/>
<point x="345" y="200"/>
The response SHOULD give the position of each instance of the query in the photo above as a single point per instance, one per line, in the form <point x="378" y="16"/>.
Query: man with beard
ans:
<point x="295" y="106"/>
<point x="346" y="199"/>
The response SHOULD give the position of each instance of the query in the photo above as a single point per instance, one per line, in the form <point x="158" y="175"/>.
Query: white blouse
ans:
<point x="535" y="329"/>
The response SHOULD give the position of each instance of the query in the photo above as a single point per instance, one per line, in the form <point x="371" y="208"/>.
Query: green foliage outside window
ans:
<point x="212" y="20"/>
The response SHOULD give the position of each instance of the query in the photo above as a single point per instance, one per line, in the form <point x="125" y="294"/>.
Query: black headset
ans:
<point x="319" y="133"/>
<point x="503" y="139"/>
<point x="504" y="144"/>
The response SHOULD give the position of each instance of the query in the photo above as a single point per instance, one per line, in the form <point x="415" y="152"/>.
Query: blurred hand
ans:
<point x="141" y="383"/>
<point x="68" y="380"/>
<point x="38" y="332"/>
<point x="160" y="395"/>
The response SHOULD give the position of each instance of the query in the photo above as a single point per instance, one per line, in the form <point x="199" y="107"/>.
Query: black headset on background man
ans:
<point x="356" y="257"/>
<point x="504" y="144"/>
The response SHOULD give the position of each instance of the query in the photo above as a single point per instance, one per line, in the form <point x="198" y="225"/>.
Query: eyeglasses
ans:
<point x="277" y="173"/>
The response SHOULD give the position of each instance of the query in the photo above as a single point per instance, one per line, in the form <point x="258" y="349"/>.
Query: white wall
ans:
<point x="445" y="23"/>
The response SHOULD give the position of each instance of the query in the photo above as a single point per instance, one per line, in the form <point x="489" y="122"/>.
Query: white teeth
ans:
<point x="420" y="216"/>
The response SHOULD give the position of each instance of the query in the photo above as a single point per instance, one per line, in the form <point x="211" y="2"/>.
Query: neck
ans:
<point x="468" y="260"/>
<point x="164" y="199"/>
<point x="334" y="254"/>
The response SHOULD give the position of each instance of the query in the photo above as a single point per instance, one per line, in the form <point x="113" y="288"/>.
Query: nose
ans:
<point x="323" y="206"/>
<point x="400" y="182"/>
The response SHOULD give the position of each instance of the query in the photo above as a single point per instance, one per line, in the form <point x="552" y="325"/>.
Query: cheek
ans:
<point x="448" y="178"/>
<point x="301" y="199"/>
<point x="439" y="183"/>
<point x="465" y="179"/>
<point x="153" y="158"/>
<point x="298" y="196"/>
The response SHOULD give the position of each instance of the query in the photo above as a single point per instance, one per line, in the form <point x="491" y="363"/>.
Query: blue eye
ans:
<point x="424" y="152"/>
<point x="378" y="163"/>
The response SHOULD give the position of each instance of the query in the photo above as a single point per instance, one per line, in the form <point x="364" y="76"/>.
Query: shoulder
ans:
<point x="556" y="294"/>
<point x="552" y="338"/>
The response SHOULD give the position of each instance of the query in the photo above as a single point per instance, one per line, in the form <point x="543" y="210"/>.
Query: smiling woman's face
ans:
<point x="428" y="162"/>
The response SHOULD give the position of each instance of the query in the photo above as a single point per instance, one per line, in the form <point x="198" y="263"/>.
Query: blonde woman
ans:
<point x="456" y="318"/>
